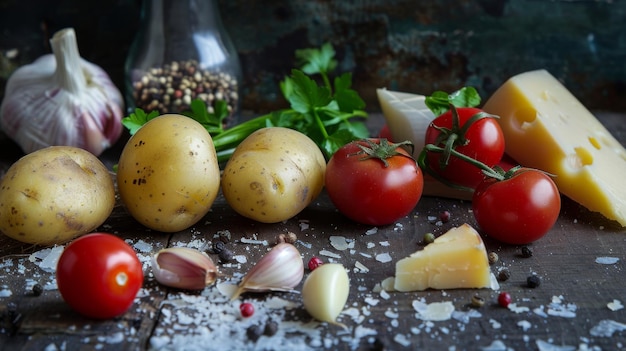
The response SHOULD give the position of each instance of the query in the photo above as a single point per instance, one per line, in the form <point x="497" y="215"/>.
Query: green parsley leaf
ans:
<point x="135" y="120"/>
<point x="439" y="102"/>
<point x="317" y="61"/>
<point x="306" y="95"/>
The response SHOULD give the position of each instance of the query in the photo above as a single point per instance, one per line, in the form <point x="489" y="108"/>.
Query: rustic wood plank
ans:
<point x="568" y="308"/>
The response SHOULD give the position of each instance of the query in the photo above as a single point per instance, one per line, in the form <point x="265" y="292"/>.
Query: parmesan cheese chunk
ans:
<point x="546" y="127"/>
<point x="456" y="259"/>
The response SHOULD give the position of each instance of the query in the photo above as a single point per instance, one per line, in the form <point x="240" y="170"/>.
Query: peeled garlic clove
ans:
<point x="183" y="268"/>
<point x="325" y="292"/>
<point x="281" y="269"/>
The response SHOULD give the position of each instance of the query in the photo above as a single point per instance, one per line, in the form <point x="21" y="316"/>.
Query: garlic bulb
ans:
<point x="325" y="292"/>
<point x="281" y="269"/>
<point x="62" y="99"/>
<point x="183" y="268"/>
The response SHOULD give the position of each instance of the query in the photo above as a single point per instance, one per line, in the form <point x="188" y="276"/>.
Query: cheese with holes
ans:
<point x="546" y="127"/>
<point x="456" y="259"/>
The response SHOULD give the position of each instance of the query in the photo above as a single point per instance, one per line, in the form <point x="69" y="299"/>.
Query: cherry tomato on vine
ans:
<point x="99" y="275"/>
<point x="478" y="138"/>
<point x="520" y="209"/>
<point x="374" y="181"/>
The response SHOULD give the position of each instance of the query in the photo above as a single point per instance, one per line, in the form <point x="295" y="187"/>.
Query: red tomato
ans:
<point x="99" y="275"/>
<point x="517" y="210"/>
<point x="385" y="133"/>
<point x="483" y="141"/>
<point x="366" y="190"/>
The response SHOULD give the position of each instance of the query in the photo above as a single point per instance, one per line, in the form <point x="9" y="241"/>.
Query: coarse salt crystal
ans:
<point x="371" y="231"/>
<point x="402" y="340"/>
<point x="525" y="325"/>
<point x="383" y="257"/>
<point x="435" y="311"/>
<point x="615" y="305"/>
<point x="329" y="254"/>
<point x="607" y="260"/>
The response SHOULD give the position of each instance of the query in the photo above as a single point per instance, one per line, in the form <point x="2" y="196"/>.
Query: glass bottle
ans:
<point x="182" y="52"/>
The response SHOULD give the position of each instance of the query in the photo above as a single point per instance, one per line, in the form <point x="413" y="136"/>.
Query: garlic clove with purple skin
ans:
<point x="183" y="268"/>
<point x="281" y="269"/>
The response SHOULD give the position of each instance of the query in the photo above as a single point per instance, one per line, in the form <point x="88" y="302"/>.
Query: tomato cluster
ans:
<point x="465" y="148"/>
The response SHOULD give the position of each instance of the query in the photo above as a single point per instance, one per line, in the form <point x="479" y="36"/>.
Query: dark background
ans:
<point x="412" y="46"/>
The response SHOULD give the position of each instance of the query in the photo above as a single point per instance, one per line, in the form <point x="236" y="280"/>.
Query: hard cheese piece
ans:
<point x="457" y="259"/>
<point x="546" y="127"/>
<point x="408" y="117"/>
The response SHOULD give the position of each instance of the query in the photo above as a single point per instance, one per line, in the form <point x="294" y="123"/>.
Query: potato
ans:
<point x="55" y="194"/>
<point x="168" y="176"/>
<point x="273" y="175"/>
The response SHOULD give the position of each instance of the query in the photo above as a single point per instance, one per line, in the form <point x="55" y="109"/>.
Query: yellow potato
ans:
<point x="273" y="175"/>
<point x="55" y="194"/>
<point x="168" y="176"/>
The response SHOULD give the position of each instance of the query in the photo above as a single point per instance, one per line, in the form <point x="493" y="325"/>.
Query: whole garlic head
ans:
<point x="62" y="99"/>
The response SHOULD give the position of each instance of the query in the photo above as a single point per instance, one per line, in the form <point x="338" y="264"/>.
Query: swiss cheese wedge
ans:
<point x="546" y="127"/>
<point x="456" y="259"/>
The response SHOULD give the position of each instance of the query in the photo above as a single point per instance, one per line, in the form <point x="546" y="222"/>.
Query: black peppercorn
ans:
<point x="254" y="332"/>
<point x="526" y="252"/>
<point x="37" y="289"/>
<point x="226" y="255"/>
<point x="533" y="281"/>
<point x="218" y="246"/>
<point x="504" y="275"/>
<point x="271" y="328"/>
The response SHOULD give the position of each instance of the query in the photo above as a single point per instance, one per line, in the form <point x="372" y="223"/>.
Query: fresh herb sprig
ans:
<point x="439" y="102"/>
<point x="323" y="111"/>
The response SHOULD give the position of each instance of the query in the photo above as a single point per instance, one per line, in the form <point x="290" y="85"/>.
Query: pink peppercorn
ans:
<point x="504" y="299"/>
<point x="247" y="309"/>
<point x="315" y="262"/>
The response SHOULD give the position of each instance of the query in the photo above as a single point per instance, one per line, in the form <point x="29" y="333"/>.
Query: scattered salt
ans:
<point x="339" y="242"/>
<point x="360" y="267"/>
<point x="383" y="257"/>
<point x="495" y="324"/>
<point x="143" y="246"/>
<point x="546" y="346"/>
<point x="240" y="258"/>
<point x="434" y="311"/>
<point x="615" y="305"/>
<point x="496" y="345"/>
<point x="402" y="340"/>
<point x="525" y="325"/>
<point x="329" y="254"/>
<point x="371" y="231"/>
<point x="5" y="292"/>
<point x="607" y="260"/>
<point x="606" y="328"/>
<point x="518" y="309"/>
<point x="254" y="241"/>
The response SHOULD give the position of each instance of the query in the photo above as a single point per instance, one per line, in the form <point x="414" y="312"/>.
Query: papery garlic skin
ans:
<point x="281" y="269"/>
<point x="62" y="99"/>
<point x="183" y="268"/>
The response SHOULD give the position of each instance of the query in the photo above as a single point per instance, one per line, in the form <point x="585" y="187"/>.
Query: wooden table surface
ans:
<point x="581" y="263"/>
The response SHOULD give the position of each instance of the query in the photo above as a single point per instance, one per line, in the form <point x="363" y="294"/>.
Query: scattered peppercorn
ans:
<point x="493" y="257"/>
<point x="477" y="301"/>
<point x="526" y="252"/>
<point x="533" y="281"/>
<point x="504" y="299"/>
<point x="254" y="332"/>
<point x="271" y="328"/>
<point x="429" y="238"/>
<point x="315" y="262"/>
<point x="37" y="289"/>
<point x="504" y="275"/>
<point x="218" y="246"/>
<point x="246" y="309"/>
<point x="444" y="216"/>
<point x="226" y="255"/>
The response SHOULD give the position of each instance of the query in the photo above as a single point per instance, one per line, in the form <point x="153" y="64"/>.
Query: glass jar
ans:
<point x="182" y="52"/>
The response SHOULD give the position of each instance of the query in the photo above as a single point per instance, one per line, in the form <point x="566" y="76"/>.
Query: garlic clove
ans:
<point x="183" y="268"/>
<point x="281" y="269"/>
<point x="325" y="292"/>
